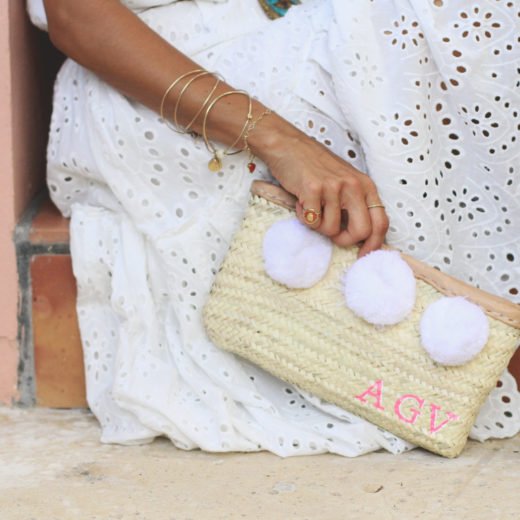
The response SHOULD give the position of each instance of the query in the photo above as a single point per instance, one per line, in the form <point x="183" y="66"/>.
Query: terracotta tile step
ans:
<point x="52" y="372"/>
<point x="52" y="368"/>
<point x="58" y="358"/>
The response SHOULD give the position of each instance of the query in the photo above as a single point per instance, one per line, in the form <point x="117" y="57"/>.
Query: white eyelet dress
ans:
<point x="422" y="97"/>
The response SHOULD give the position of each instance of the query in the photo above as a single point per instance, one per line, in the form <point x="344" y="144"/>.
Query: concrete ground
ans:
<point x="52" y="467"/>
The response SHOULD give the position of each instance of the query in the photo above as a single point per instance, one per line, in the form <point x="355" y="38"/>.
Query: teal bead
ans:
<point x="277" y="8"/>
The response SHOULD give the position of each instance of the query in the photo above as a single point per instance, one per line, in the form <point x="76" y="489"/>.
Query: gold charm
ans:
<point x="215" y="164"/>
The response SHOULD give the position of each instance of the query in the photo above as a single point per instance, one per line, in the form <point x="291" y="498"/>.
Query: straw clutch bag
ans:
<point x="308" y="338"/>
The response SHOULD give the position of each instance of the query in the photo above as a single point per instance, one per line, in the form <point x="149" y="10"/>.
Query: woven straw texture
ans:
<point x="309" y="338"/>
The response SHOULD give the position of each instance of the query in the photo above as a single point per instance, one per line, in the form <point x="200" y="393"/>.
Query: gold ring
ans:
<point x="370" y="206"/>
<point x="311" y="215"/>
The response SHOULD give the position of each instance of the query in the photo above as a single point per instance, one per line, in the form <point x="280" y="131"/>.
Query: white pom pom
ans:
<point x="454" y="330"/>
<point x="380" y="288"/>
<point x="295" y="255"/>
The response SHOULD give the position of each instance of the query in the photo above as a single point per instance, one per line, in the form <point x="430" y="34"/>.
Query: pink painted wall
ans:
<point x="8" y="294"/>
<point x="26" y="69"/>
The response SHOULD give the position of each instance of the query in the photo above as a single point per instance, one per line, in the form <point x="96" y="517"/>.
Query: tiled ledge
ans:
<point x="51" y="368"/>
<point x="48" y="226"/>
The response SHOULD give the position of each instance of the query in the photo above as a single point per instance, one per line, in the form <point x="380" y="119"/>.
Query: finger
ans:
<point x="311" y="210"/>
<point x="379" y="229"/>
<point x="299" y="213"/>
<point x="331" y="220"/>
<point x="359" y="223"/>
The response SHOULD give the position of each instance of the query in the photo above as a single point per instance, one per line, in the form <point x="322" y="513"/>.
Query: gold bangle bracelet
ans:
<point x="244" y="129"/>
<point x="179" y="98"/>
<point x="171" y="87"/>
<point x="204" y="103"/>
<point x="215" y="163"/>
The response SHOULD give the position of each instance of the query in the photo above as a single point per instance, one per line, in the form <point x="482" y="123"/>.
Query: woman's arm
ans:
<point x="107" y="38"/>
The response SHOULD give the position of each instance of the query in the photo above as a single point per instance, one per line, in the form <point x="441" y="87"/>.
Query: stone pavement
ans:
<point x="52" y="467"/>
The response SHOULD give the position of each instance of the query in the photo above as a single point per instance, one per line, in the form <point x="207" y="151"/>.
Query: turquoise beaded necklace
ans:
<point x="277" y="8"/>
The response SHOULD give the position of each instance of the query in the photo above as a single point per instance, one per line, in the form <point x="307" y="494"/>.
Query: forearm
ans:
<point x="107" y="38"/>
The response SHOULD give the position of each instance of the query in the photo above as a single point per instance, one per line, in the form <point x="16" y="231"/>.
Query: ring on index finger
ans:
<point x="311" y="216"/>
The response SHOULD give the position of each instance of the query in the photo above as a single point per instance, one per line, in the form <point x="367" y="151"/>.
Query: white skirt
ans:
<point x="421" y="97"/>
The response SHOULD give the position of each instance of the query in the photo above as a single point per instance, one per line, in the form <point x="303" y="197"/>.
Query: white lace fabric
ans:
<point x="423" y="98"/>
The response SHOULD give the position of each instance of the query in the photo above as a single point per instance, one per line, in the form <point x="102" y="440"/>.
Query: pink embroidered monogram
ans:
<point x="376" y="392"/>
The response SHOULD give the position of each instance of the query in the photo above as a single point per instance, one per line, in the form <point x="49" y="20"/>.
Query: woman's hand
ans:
<point x="324" y="182"/>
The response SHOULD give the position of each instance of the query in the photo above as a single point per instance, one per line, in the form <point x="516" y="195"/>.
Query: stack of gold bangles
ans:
<point x="215" y="163"/>
<point x="310" y="215"/>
